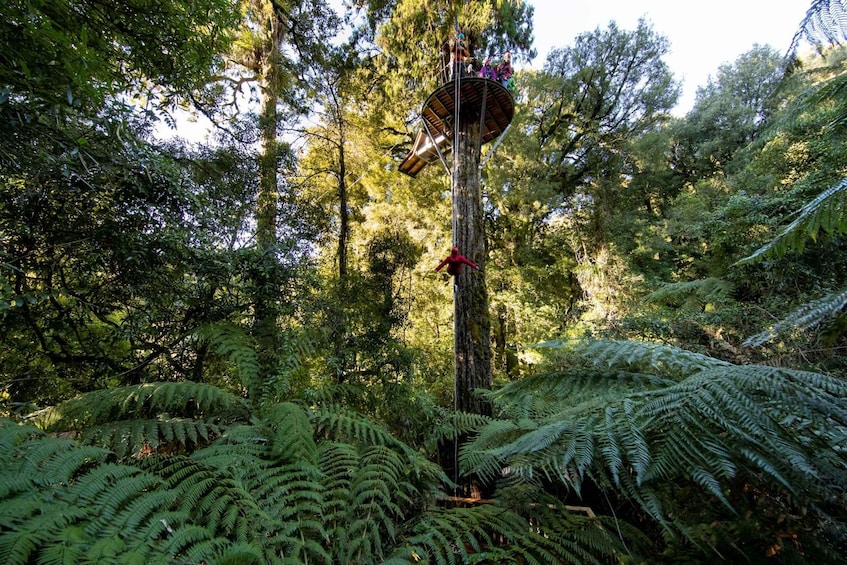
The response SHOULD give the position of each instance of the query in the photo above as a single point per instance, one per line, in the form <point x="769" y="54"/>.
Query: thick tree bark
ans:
<point x="472" y="326"/>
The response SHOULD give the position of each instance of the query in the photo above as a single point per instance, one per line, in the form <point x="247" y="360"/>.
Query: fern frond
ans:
<point x="29" y="528"/>
<point x="807" y="317"/>
<point x="824" y="24"/>
<point x="536" y="397"/>
<point x="59" y="463"/>
<point x="291" y="432"/>
<point x="192" y="543"/>
<point x="369" y="496"/>
<point x="483" y="458"/>
<point x="68" y="547"/>
<point x="116" y="481"/>
<point x="132" y="437"/>
<point x="717" y="422"/>
<point x="456" y="424"/>
<point x="12" y="435"/>
<point x="145" y="401"/>
<point x="569" y="537"/>
<point x="239" y="554"/>
<point x="341" y="424"/>
<point x="692" y="294"/>
<point x="239" y="447"/>
<point x="546" y="533"/>
<point x="826" y="212"/>
<point x="664" y="360"/>
<point x="287" y="497"/>
<point x="338" y="461"/>
<point x="235" y="345"/>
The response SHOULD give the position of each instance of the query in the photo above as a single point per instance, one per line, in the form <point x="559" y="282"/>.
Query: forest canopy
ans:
<point x="238" y="350"/>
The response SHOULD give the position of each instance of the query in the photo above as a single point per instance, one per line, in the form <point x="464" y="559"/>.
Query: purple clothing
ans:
<point x="487" y="71"/>
<point x="504" y="70"/>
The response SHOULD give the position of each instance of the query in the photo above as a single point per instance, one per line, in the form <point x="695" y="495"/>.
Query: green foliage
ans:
<point x="812" y="133"/>
<point x="825" y="213"/>
<point x="582" y="137"/>
<point x="127" y="269"/>
<point x="134" y="419"/>
<point x="692" y="294"/>
<point x="822" y="24"/>
<point x="655" y="416"/>
<point x="233" y="344"/>
<point x="67" y="52"/>
<point x="729" y="113"/>
<point x="293" y="485"/>
<point x="488" y="25"/>
<point x="809" y="316"/>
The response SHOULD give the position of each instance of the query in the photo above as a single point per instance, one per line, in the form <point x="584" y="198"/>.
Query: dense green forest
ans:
<point x="238" y="351"/>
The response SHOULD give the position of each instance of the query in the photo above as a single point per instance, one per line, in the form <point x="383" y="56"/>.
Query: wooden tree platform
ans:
<point x="479" y="98"/>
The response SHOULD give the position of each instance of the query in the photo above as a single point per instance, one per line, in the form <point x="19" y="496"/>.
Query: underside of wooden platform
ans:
<point x="478" y="99"/>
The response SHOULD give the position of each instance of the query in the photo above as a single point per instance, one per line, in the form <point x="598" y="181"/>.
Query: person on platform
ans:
<point x="487" y="70"/>
<point x="459" y="54"/>
<point x="454" y="263"/>
<point x="504" y="69"/>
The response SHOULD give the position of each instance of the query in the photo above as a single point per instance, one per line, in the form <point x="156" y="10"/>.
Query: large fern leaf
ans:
<point x="825" y="23"/>
<point x="827" y="212"/>
<point x="692" y="294"/>
<point x="235" y="345"/>
<point x="149" y="400"/>
<point x="809" y="316"/>
<point x="716" y="422"/>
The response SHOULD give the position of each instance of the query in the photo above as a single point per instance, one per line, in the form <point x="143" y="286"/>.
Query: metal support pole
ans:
<point x="493" y="147"/>
<point x="432" y="140"/>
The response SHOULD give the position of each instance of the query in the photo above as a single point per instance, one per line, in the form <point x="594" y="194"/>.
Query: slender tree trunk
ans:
<point x="339" y="323"/>
<point x="472" y="326"/>
<point x="344" y="211"/>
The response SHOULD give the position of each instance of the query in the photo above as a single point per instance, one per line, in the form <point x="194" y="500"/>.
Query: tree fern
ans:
<point x="140" y="401"/>
<point x="291" y="433"/>
<point x="543" y="532"/>
<point x="345" y="425"/>
<point x="72" y="498"/>
<point x="661" y="360"/>
<point x="712" y="422"/>
<point x="289" y="483"/>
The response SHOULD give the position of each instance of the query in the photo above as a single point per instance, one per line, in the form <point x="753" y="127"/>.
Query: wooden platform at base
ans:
<point x="477" y="98"/>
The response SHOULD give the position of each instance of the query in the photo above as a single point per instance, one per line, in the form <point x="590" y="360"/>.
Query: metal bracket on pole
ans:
<point x="493" y="147"/>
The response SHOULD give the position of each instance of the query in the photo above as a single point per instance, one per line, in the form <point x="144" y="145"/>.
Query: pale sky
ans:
<point x="703" y="34"/>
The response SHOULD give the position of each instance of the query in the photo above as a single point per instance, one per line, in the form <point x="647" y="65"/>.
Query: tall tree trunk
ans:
<point x="265" y="276"/>
<point x="339" y="323"/>
<point x="344" y="211"/>
<point x="472" y="326"/>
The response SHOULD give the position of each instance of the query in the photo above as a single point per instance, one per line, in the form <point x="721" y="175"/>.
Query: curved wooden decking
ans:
<point x="479" y="98"/>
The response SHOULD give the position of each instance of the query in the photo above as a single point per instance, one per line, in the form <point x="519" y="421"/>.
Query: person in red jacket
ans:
<point x="454" y="263"/>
